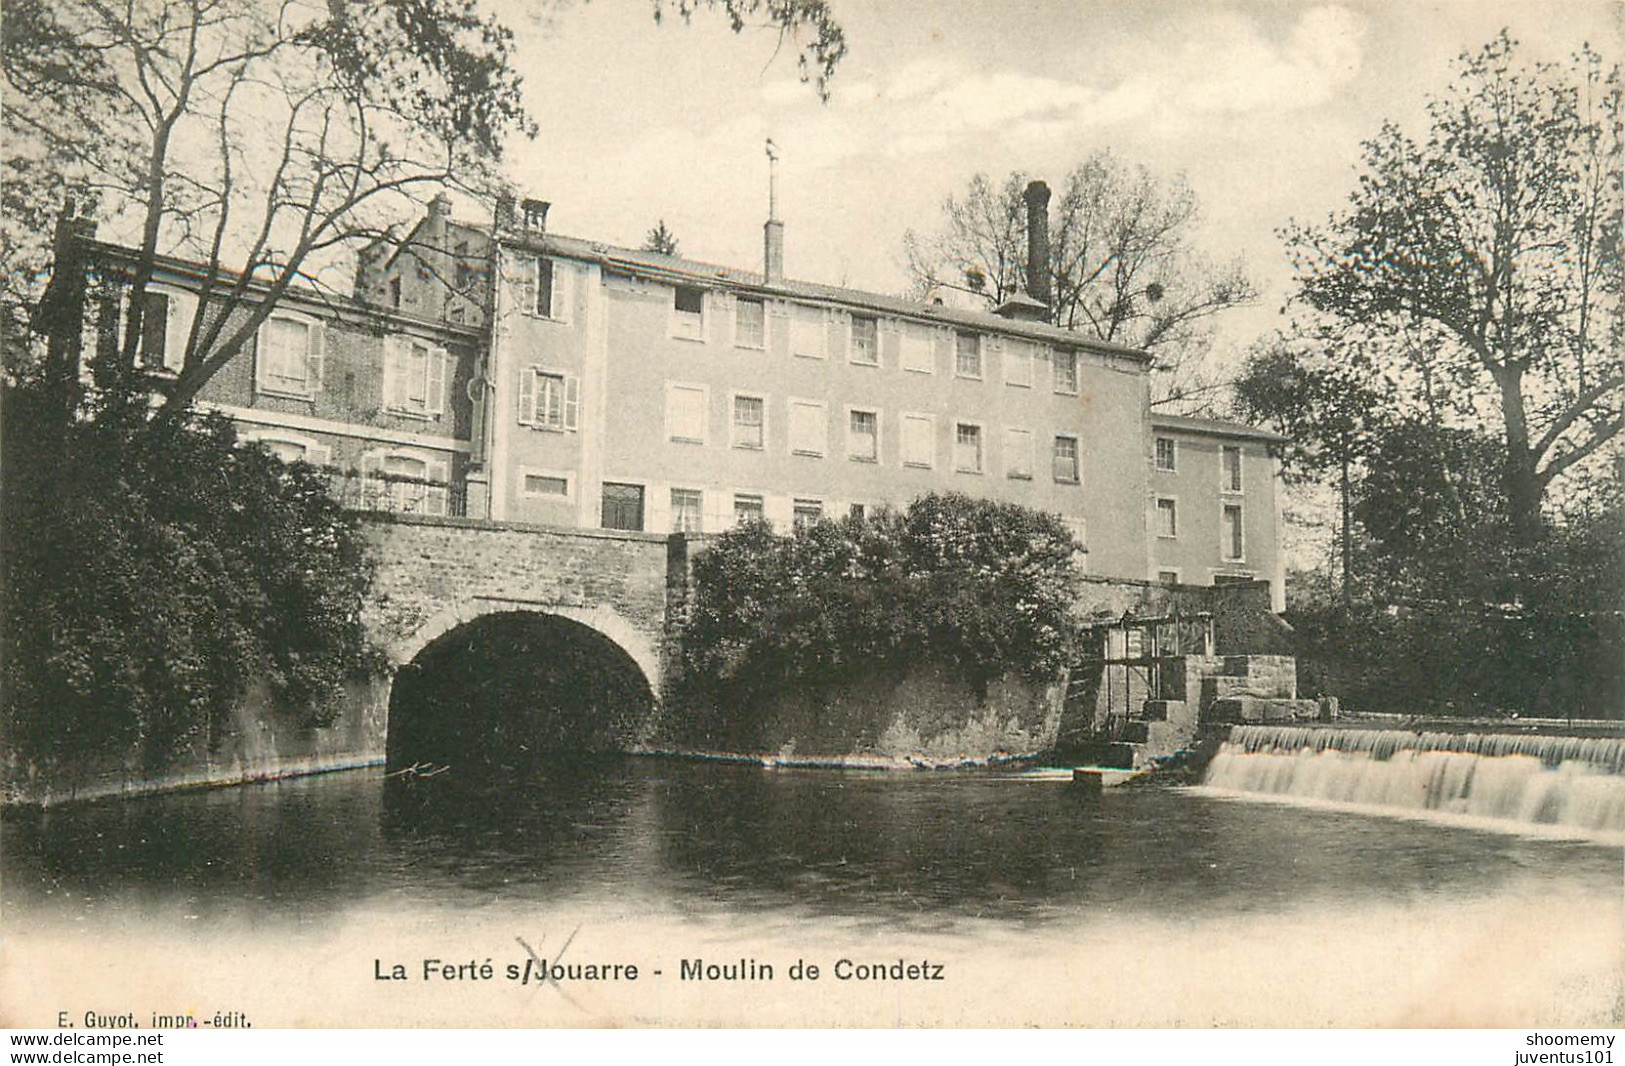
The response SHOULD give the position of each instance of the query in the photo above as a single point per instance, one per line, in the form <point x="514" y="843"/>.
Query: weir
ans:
<point x="1572" y="782"/>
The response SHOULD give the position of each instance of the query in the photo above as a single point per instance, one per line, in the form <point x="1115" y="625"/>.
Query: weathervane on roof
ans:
<point x="772" y="180"/>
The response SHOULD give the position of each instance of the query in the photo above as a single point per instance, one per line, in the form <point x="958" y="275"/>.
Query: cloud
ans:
<point x="1237" y="69"/>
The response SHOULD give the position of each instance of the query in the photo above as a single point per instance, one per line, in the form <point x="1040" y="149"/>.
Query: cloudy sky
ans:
<point x="1261" y="104"/>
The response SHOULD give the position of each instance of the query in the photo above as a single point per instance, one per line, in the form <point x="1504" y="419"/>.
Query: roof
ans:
<point x="1214" y="427"/>
<point x="678" y="269"/>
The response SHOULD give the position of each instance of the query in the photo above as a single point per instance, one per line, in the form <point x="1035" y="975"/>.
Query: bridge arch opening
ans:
<point x="507" y="688"/>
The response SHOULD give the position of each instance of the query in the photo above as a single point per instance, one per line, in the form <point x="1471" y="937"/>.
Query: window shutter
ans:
<point x="178" y="330"/>
<point x="437" y="381"/>
<point x="993" y="351"/>
<point x="437" y="494"/>
<point x="317" y="356"/>
<point x="564" y="290"/>
<point x="778" y="329"/>
<point x="839" y="323"/>
<point x="524" y="283"/>
<point x="891" y="342"/>
<point x="527" y="396"/>
<point x="719" y="308"/>
<point x="945" y="349"/>
<point x="572" y="401"/>
<point x="392" y="372"/>
<point x="262" y="355"/>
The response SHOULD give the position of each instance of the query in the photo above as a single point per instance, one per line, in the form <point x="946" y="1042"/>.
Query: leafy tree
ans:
<point x="660" y="239"/>
<point x="1123" y="268"/>
<point x="1311" y="393"/>
<point x="1498" y="238"/>
<point x="151" y="579"/>
<point x="264" y="138"/>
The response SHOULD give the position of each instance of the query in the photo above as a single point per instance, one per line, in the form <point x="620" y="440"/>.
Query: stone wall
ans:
<point x="261" y="743"/>
<point x="431" y="575"/>
<point x="435" y="573"/>
<point x="924" y="715"/>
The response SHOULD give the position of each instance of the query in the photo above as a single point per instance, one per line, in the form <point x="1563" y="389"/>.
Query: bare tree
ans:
<point x="263" y="138"/>
<point x="1122" y="265"/>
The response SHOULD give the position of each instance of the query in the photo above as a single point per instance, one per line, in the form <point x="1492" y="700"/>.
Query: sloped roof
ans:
<point x="1216" y="427"/>
<point x="643" y="263"/>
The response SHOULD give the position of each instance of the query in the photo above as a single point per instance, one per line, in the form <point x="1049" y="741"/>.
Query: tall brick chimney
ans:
<point x="1037" y="197"/>
<point x="773" y="250"/>
<point x="773" y="229"/>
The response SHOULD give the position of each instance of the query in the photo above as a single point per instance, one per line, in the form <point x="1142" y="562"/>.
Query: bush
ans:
<point x="982" y="588"/>
<point x="153" y="574"/>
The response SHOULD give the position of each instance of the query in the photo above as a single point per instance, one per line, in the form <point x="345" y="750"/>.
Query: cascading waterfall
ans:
<point x="1572" y="782"/>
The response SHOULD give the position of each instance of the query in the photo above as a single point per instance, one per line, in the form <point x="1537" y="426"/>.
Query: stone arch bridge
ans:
<point x="438" y="581"/>
<point x="435" y="574"/>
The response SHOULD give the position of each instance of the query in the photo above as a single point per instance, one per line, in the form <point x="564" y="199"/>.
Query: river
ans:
<point x="293" y="903"/>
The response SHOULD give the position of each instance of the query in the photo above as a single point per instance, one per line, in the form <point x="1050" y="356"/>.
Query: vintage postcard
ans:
<point x="830" y="513"/>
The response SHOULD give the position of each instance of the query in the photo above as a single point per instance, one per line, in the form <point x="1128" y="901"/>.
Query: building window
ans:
<point x="1167" y="518"/>
<point x="548" y="401"/>
<point x="1018" y="363"/>
<point x="395" y="292"/>
<point x="623" y="506"/>
<point x="968" y="355"/>
<point x="1018" y="454"/>
<point x="748" y="415"/>
<point x="968" y="448"/>
<point x="748" y="508"/>
<point x="919" y="349"/>
<point x="1167" y="454"/>
<point x="688" y="312"/>
<point x="1230" y="468"/>
<point x="286" y="451"/>
<point x="1232" y="532"/>
<point x="465" y="269"/>
<point x="1065" y="461"/>
<point x="863" y="436"/>
<point x="405" y="484"/>
<point x="807" y="335"/>
<point x="919" y="441"/>
<point x="414" y="377"/>
<point x="808" y="428"/>
<point x="857" y="511"/>
<point x="1168" y="577"/>
<point x="687" y="509"/>
<point x="750" y="323"/>
<point x="541" y="289"/>
<point x="1066" y="370"/>
<point x="548" y="486"/>
<point x="166" y="325"/>
<point x="865" y="340"/>
<point x="290" y="449"/>
<point x="685" y="413"/>
<point x="807" y="513"/>
<point x="290" y="356"/>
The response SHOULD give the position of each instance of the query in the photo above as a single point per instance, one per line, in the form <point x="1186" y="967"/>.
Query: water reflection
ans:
<point x="915" y="851"/>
